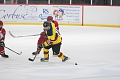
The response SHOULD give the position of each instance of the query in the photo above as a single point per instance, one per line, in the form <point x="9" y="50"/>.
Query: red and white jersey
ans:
<point x="2" y="35"/>
<point x="56" y="24"/>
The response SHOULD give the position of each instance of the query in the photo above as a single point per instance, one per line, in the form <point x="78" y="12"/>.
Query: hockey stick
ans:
<point x="32" y="59"/>
<point x="22" y="36"/>
<point x="14" y="51"/>
<point x="40" y="50"/>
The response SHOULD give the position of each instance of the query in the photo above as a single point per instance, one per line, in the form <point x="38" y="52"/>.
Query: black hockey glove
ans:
<point x="40" y="46"/>
<point x="2" y="44"/>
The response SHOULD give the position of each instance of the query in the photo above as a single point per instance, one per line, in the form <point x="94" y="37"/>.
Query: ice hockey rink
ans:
<point x="96" y="50"/>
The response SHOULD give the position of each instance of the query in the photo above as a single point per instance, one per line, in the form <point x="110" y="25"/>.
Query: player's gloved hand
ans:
<point x="36" y="52"/>
<point x="2" y="44"/>
<point x="39" y="47"/>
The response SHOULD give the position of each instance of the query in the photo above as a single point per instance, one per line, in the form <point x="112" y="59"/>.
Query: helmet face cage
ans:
<point x="49" y="18"/>
<point x="46" y="24"/>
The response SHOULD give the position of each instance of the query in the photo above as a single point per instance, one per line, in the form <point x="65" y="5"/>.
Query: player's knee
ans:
<point x="45" y="50"/>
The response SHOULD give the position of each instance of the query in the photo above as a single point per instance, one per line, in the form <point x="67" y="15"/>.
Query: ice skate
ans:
<point x="44" y="59"/>
<point x="65" y="59"/>
<point x="4" y="56"/>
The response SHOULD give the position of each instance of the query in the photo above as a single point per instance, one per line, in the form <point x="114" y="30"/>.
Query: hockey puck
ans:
<point x="76" y="64"/>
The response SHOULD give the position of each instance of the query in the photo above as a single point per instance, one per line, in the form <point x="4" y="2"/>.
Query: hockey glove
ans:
<point x="39" y="47"/>
<point x="36" y="52"/>
<point x="2" y="44"/>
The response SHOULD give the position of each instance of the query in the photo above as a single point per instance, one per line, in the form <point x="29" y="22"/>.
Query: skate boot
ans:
<point x="4" y="56"/>
<point x="44" y="59"/>
<point x="65" y="59"/>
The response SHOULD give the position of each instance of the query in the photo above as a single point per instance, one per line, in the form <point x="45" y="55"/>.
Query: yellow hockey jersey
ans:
<point x="53" y="35"/>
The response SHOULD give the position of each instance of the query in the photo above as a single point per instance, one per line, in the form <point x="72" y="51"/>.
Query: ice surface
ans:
<point x="95" y="49"/>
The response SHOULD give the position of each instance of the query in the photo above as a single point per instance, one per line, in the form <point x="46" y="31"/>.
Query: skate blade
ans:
<point x="44" y="61"/>
<point x="55" y="56"/>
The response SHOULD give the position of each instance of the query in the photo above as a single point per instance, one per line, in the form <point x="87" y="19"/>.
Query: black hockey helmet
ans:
<point x="46" y="23"/>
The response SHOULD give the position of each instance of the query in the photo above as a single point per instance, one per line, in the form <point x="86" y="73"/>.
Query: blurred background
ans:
<point x="79" y="2"/>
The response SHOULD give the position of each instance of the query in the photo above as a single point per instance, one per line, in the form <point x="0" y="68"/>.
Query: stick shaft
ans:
<point x="27" y="35"/>
<point x="13" y="50"/>
<point x="22" y="36"/>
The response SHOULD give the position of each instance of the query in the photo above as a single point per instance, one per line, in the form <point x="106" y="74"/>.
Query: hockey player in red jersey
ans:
<point x="41" y="39"/>
<point x="2" y="38"/>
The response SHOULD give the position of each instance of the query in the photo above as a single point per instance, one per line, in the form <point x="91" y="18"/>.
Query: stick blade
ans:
<point x="30" y="59"/>
<point x="20" y="53"/>
<point x="11" y="34"/>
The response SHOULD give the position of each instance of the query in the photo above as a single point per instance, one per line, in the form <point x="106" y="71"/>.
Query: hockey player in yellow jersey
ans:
<point x="53" y="40"/>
